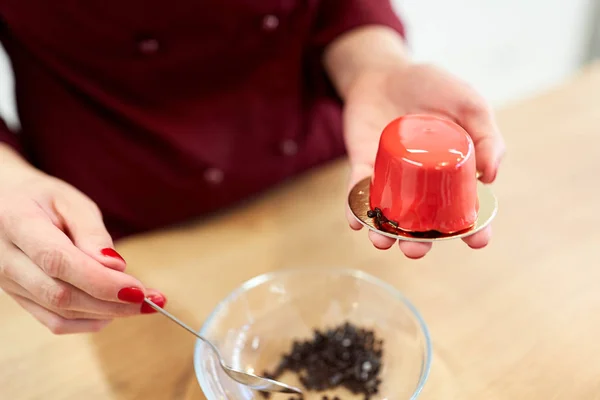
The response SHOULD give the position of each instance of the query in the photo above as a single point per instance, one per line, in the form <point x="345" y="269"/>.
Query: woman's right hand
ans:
<point x="57" y="259"/>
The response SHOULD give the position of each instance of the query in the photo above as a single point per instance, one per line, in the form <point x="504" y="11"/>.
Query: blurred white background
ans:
<point x="506" y="48"/>
<point x="7" y="106"/>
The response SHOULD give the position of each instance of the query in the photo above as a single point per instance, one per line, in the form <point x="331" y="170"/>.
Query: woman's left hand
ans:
<point x="379" y="96"/>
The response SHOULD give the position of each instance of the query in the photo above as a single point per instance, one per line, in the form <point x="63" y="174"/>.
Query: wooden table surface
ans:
<point x="517" y="320"/>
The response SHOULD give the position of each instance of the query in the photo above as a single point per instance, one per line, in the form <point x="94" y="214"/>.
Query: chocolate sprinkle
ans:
<point x="380" y="220"/>
<point x="344" y="356"/>
<point x="389" y="226"/>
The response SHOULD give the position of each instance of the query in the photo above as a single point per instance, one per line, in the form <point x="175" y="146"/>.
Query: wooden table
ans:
<point x="517" y="320"/>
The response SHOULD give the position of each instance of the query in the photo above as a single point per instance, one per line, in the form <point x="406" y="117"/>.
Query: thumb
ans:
<point x="82" y="221"/>
<point x="488" y="141"/>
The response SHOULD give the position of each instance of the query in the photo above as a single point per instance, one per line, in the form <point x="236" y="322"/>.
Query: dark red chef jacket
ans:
<point x="164" y="110"/>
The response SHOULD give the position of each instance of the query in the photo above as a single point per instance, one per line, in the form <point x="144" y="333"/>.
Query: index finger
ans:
<point x="50" y="249"/>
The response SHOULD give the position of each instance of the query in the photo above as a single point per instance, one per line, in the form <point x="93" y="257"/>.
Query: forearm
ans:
<point x="365" y="49"/>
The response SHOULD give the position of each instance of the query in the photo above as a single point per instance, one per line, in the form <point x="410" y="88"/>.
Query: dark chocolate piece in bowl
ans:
<point x="345" y="356"/>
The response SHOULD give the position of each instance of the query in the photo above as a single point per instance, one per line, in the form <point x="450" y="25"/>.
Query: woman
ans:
<point x="132" y="112"/>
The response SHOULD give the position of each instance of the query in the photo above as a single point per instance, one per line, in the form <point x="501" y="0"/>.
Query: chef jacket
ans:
<point x="161" y="111"/>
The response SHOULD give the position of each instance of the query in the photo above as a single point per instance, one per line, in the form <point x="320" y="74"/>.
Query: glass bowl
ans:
<point x="259" y="321"/>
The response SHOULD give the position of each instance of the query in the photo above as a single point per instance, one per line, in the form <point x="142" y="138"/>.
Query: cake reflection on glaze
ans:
<point x="424" y="177"/>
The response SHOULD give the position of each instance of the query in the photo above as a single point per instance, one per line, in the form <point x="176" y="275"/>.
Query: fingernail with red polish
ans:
<point x="131" y="295"/>
<point x="156" y="299"/>
<point x="108" y="252"/>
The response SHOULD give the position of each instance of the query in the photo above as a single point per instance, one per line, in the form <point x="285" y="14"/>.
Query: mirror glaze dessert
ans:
<point x="424" y="177"/>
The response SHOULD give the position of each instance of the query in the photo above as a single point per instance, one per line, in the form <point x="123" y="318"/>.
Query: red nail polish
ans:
<point x="131" y="295"/>
<point x="156" y="299"/>
<point x="108" y="252"/>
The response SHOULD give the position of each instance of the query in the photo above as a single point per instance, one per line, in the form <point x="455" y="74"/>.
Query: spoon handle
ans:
<point x="240" y="377"/>
<point x="174" y="319"/>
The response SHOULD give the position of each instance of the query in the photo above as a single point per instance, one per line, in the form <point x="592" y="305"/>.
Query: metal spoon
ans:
<point x="252" y="381"/>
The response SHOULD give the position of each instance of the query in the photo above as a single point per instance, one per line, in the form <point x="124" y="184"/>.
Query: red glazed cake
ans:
<point x="425" y="176"/>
